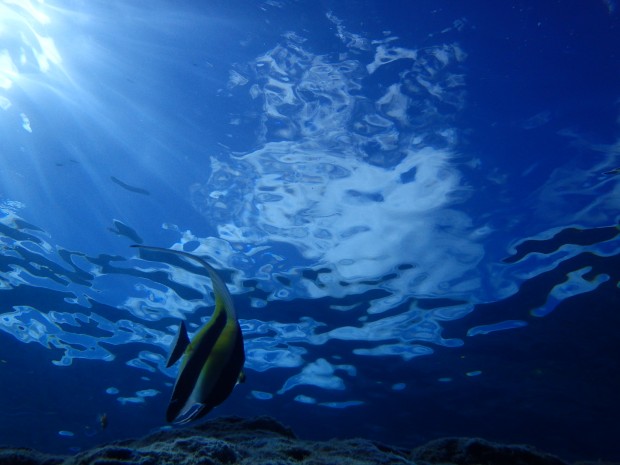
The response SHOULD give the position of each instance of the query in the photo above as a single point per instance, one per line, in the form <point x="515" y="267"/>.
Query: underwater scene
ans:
<point x="389" y="219"/>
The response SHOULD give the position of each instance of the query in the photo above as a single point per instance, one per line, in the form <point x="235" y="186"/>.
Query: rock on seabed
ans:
<point x="264" y="441"/>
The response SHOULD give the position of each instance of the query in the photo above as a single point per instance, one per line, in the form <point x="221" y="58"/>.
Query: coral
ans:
<point x="264" y="441"/>
<point x="474" y="451"/>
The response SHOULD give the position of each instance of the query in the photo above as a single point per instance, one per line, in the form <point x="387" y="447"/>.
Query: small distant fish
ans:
<point x="64" y="163"/>
<point x="103" y="420"/>
<point x="612" y="172"/>
<point x="213" y="360"/>
<point x="137" y="190"/>
<point x="123" y="230"/>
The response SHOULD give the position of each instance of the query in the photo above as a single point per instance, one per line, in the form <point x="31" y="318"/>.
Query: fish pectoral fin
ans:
<point x="181" y="341"/>
<point x="241" y="378"/>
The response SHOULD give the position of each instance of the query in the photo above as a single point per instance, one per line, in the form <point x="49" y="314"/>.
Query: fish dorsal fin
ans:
<point x="181" y="341"/>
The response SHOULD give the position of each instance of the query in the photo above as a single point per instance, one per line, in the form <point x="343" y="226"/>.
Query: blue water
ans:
<point x="415" y="205"/>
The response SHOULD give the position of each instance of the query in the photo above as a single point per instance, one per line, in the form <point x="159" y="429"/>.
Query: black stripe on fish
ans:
<point x="229" y="376"/>
<point x="190" y="372"/>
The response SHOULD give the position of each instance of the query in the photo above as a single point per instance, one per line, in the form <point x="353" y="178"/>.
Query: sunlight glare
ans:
<point x="24" y="45"/>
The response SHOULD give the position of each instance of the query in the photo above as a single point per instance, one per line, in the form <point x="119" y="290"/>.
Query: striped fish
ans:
<point x="212" y="361"/>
